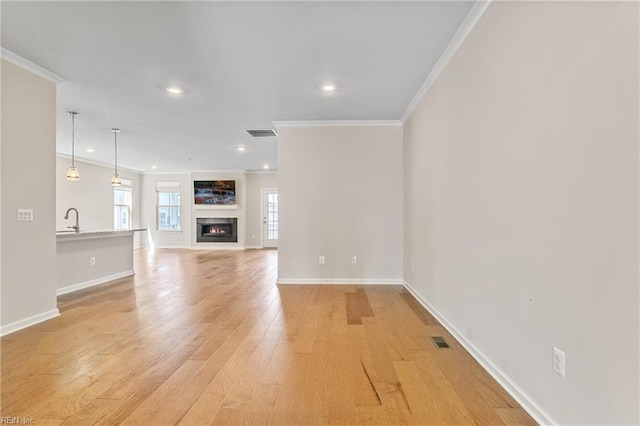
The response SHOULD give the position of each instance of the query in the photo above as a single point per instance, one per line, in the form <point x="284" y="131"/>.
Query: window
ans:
<point x="122" y="205"/>
<point x="168" y="210"/>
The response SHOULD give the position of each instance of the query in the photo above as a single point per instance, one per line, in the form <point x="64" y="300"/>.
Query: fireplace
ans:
<point x="217" y="230"/>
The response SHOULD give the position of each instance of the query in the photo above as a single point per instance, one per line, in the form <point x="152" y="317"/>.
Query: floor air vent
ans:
<point x="262" y="133"/>
<point x="440" y="342"/>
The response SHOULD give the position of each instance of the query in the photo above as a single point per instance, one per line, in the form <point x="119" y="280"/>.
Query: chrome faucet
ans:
<point x="75" y="227"/>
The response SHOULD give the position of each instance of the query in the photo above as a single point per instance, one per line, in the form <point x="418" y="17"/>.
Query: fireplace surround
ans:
<point x="217" y="230"/>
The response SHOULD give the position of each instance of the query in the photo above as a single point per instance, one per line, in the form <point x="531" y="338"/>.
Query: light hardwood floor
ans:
<point x="206" y="337"/>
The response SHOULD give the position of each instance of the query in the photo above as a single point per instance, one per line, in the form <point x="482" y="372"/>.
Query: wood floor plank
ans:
<point x="422" y="313"/>
<point x="263" y="398"/>
<point x="363" y="304"/>
<point x="313" y="397"/>
<point x="513" y="416"/>
<point x="208" y="338"/>
<point x="286" y="408"/>
<point x="353" y="313"/>
<point x="221" y="374"/>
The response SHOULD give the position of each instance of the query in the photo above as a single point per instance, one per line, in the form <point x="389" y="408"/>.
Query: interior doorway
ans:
<point x="269" y="218"/>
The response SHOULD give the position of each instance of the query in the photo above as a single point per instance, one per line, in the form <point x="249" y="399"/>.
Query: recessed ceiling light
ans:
<point x="174" y="90"/>
<point x="242" y="148"/>
<point x="328" y="87"/>
<point x="266" y="166"/>
<point x="154" y="167"/>
<point x="90" y="149"/>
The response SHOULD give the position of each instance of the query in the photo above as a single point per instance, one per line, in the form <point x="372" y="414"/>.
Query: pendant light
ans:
<point x="72" y="173"/>
<point x="115" y="180"/>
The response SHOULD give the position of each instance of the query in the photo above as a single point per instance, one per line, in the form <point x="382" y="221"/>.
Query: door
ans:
<point x="269" y="218"/>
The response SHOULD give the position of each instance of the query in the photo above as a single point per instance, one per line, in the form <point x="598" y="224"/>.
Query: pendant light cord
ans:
<point x="115" y="134"/>
<point x="73" y="139"/>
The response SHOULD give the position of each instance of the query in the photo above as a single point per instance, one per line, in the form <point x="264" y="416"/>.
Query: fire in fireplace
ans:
<point x="217" y="230"/>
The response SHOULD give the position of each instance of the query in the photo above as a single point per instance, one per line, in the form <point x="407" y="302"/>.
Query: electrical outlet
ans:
<point x="92" y="261"/>
<point x="412" y="266"/>
<point x="25" y="215"/>
<point x="558" y="361"/>
<point x="253" y="236"/>
<point x="321" y="260"/>
<point x="354" y="260"/>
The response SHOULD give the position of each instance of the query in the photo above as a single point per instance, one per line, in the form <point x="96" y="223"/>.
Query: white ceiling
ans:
<point x="242" y="65"/>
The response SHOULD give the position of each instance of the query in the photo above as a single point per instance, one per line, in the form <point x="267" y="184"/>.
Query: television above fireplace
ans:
<point x="214" y="192"/>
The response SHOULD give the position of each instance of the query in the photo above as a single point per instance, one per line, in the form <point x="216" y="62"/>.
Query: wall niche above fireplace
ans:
<point x="217" y="230"/>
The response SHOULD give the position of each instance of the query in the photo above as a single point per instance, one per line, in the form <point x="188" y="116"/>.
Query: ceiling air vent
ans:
<point x="262" y="133"/>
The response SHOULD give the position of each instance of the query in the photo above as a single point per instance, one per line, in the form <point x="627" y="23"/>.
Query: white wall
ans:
<point x="177" y="239"/>
<point x="256" y="182"/>
<point x="521" y="203"/>
<point x="92" y="195"/>
<point x="340" y="195"/>
<point x="28" y="168"/>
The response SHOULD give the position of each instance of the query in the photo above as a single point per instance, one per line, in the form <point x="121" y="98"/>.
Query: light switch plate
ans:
<point x="25" y="215"/>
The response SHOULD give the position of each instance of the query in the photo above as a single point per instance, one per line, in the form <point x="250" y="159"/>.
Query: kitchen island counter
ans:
<point x="89" y="258"/>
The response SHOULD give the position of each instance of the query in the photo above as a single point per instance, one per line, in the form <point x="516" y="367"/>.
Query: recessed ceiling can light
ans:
<point x="242" y="148"/>
<point x="266" y="166"/>
<point x="154" y="167"/>
<point x="174" y="90"/>
<point x="328" y="87"/>
<point x="90" y="150"/>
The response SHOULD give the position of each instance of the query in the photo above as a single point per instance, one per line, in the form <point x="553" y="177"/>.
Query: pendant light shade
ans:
<point x="73" y="174"/>
<point x="115" y="180"/>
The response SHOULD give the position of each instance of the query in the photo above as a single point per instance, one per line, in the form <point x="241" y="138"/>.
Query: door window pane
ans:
<point x="272" y="216"/>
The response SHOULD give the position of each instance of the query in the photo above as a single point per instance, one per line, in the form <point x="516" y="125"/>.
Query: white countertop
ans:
<point x="86" y="235"/>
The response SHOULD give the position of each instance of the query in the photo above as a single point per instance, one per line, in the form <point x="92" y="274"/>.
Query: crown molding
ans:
<point x="336" y="123"/>
<point x="97" y="163"/>
<point x="218" y="171"/>
<point x="248" y="172"/>
<point x="263" y="172"/>
<point x="167" y="173"/>
<point x="465" y="28"/>
<point x="30" y="66"/>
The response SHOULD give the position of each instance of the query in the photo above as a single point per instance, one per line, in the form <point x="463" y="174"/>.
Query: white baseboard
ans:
<point x="340" y="281"/>
<point x="217" y="248"/>
<point x="91" y="283"/>
<point x="171" y="247"/>
<point x="28" y="322"/>
<point x="199" y="247"/>
<point x="538" y="414"/>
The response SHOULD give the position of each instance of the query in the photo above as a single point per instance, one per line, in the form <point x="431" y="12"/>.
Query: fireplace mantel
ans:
<point x="205" y="207"/>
